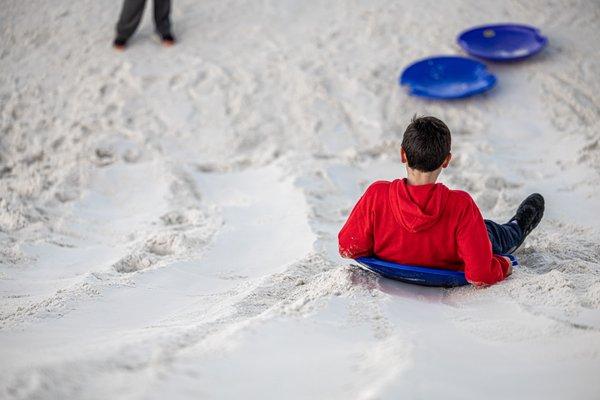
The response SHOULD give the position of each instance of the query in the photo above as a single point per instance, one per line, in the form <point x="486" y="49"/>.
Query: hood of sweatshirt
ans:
<point x="417" y="207"/>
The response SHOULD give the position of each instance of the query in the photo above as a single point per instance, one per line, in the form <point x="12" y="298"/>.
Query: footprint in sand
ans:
<point x="134" y="262"/>
<point x="165" y="244"/>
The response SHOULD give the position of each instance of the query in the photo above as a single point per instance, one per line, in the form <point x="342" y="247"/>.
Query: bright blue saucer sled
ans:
<point x="447" y="77"/>
<point x="502" y="42"/>
<point x="424" y="276"/>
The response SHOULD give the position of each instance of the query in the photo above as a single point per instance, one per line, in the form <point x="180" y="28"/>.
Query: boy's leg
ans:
<point x="505" y="238"/>
<point x="130" y="18"/>
<point x="162" y="10"/>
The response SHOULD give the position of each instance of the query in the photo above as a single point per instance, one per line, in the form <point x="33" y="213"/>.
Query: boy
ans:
<point x="417" y="221"/>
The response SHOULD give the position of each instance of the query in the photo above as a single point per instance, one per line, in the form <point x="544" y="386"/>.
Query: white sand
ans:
<point x="168" y="217"/>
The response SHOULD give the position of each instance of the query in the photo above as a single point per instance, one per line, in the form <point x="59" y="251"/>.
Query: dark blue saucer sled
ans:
<point x="418" y="275"/>
<point x="447" y="77"/>
<point x="502" y="42"/>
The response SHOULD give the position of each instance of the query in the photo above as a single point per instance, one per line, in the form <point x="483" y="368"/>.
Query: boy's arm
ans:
<point x="475" y="249"/>
<point x="356" y="237"/>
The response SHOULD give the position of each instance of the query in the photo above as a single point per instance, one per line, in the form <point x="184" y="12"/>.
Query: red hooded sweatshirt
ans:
<point x="428" y="225"/>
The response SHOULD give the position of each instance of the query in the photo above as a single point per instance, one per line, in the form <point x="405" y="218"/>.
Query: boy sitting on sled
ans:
<point x="416" y="221"/>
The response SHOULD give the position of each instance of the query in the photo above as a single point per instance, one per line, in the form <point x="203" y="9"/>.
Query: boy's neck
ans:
<point x="416" y="177"/>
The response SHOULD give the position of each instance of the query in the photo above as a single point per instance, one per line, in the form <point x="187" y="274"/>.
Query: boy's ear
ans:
<point x="447" y="160"/>
<point x="402" y="155"/>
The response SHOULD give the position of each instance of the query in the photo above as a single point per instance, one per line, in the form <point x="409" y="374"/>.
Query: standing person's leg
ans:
<point x="131" y="15"/>
<point x="505" y="238"/>
<point x="162" y="20"/>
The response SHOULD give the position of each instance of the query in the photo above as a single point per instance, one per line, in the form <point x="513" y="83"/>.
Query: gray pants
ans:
<point x="132" y="12"/>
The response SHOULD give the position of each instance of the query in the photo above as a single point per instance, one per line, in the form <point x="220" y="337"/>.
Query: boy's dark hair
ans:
<point x="426" y="143"/>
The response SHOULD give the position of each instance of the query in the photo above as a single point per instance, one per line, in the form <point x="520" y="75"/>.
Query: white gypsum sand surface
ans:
<point x="169" y="217"/>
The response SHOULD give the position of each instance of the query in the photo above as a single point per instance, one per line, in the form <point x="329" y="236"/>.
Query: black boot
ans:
<point x="529" y="214"/>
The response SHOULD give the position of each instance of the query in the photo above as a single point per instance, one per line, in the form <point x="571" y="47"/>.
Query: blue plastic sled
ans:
<point x="447" y="77"/>
<point x="502" y="42"/>
<point x="418" y="275"/>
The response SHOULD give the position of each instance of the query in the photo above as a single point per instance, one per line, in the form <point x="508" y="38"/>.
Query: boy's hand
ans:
<point x="510" y="269"/>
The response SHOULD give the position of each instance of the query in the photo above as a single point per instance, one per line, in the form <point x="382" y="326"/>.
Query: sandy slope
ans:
<point x="168" y="218"/>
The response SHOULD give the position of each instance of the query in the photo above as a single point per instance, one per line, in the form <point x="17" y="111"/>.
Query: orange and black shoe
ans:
<point x="167" y="39"/>
<point x="120" y="44"/>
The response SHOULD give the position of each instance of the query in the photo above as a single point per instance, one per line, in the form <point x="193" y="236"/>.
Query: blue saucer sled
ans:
<point x="424" y="276"/>
<point x="502" y="42"/>
<point x="447" y="77"/>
